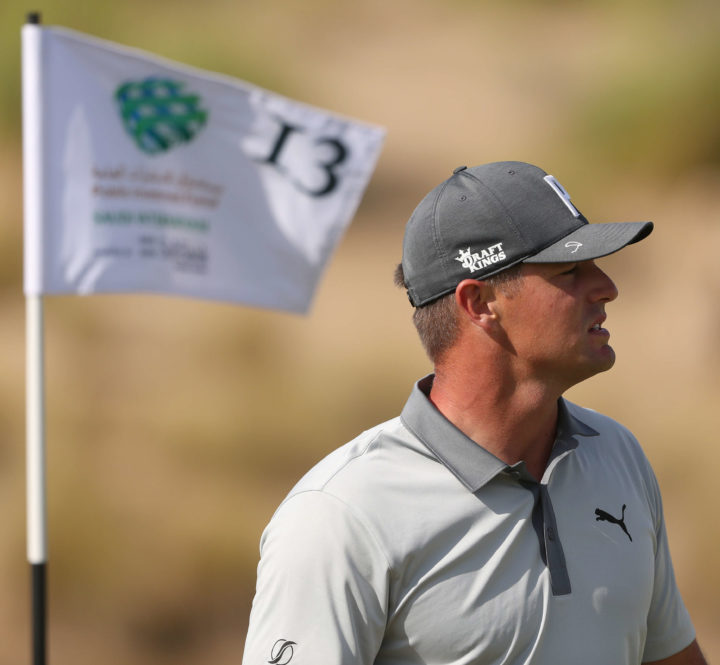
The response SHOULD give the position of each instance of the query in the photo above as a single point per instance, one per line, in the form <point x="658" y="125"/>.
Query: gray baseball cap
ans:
<point x="487" y="218"/>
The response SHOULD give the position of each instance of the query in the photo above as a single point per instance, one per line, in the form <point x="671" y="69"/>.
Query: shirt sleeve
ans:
<point x="669" y="627"/>
<point x="322" y="587"/>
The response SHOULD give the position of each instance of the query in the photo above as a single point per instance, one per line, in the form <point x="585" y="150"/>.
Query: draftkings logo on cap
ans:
<point x="475" y="261"/>
<point x="158" y="114"/>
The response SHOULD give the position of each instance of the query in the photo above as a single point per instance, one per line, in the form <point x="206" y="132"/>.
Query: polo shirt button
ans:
<point x="550" y="533"/>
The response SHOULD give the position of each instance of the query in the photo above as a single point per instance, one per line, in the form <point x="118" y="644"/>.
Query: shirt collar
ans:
<point x="472" y="464"/>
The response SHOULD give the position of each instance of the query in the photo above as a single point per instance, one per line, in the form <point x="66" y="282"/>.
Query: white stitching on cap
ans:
<point x="574" y="245"/>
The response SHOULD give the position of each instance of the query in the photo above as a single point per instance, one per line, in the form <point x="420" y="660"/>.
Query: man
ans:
<point x="493" y="521"/>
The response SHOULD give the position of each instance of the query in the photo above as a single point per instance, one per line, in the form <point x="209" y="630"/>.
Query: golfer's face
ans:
<point x="556" y="321"/>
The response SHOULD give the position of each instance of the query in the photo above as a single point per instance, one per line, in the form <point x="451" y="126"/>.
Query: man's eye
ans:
<point x="570" y="270"/>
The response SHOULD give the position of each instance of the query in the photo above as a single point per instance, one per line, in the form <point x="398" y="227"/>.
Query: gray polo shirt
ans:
<point x="412" y="544"/>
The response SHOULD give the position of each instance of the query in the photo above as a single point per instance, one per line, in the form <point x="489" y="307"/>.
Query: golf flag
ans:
<point x="144" y="175"/>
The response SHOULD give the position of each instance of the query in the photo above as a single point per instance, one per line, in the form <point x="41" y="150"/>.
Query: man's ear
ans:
<point x="476" y="301"/>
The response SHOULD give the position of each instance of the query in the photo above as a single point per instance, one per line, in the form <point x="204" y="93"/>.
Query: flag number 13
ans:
<point x="338" y="154"/>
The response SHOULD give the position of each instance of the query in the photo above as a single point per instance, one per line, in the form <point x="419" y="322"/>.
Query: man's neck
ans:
<point x="515" y="420"/>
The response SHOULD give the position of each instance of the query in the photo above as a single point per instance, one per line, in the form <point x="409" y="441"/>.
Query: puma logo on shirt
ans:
<point x="607" y="517"/>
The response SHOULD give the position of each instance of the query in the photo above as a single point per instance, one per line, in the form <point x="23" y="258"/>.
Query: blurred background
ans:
<point x="175" y="427"/>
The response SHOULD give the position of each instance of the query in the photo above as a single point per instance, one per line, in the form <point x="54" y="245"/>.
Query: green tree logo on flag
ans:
<point x="158" y="114"/>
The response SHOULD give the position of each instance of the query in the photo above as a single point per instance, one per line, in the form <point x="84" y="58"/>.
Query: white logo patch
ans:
<point x="564" y="196"/>
<point x="574" y="245"/>
<point x="474" y="261"/>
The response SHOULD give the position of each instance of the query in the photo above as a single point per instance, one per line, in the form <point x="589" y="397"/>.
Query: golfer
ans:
<point x="493" y="521"/>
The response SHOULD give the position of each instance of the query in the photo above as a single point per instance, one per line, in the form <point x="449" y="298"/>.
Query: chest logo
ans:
<point x="607" y="517"/>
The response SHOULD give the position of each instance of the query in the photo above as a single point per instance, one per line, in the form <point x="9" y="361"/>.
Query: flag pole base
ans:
<point x="39" y="613"/>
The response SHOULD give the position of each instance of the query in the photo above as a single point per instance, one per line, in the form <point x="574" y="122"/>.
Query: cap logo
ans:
<point x="573" y="245"/>
<point x="562" y="193"/>
<point x="474" y="261"/>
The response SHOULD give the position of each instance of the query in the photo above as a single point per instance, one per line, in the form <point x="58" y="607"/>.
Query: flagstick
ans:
<point x="35" y="384"/>
<point x="36" y="477"/>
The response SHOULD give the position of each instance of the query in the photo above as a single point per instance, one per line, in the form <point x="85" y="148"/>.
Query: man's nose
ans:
<point x="603" y="289"/>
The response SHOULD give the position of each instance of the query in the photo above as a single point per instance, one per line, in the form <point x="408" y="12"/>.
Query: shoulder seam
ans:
<point x="351" y="460"/>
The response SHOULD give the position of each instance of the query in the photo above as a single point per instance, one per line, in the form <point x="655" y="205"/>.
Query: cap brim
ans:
<point x="591" y="241"/>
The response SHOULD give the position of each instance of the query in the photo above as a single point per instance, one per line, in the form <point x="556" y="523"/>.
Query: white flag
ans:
<point x="143" y="175"/>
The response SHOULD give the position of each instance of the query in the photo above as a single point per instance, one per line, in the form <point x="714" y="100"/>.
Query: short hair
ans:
<point x="437" y="322"/>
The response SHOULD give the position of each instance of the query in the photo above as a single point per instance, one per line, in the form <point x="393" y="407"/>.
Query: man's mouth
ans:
<point x="597" y="326"/>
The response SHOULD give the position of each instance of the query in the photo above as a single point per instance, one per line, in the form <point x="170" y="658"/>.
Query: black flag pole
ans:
<point x="35" y="382"/>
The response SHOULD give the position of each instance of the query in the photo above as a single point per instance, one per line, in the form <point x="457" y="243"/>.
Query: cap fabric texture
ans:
<point x="487" y="218"/>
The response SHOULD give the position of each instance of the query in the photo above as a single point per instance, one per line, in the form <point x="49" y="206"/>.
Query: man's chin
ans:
<point x="590" y="368"/>
<point x="610" y="357"/>
<point x="602" y="364"/>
